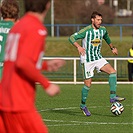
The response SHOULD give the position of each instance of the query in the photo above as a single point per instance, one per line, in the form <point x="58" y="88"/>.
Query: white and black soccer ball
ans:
<point x="117" y="108"/>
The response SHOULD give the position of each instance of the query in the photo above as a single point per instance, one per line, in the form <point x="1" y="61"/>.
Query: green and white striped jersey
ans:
<point x="5" y="27"/>
<point x="91" y="41"/>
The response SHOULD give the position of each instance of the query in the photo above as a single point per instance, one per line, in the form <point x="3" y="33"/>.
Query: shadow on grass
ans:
<point x="79" y="113"/>
<point x="107" y="115"/>
<point x="68" y="112"/>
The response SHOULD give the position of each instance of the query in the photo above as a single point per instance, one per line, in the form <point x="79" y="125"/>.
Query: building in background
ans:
<point x="122" y="8"/>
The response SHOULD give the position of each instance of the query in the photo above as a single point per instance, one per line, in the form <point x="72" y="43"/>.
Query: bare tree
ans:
<point x="79" y="12"/>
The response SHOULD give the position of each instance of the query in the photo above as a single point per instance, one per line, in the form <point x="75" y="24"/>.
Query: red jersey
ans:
<point x="23" y="53"/>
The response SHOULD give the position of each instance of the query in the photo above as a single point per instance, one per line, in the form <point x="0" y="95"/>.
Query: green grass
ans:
<point x="62" y="114"/>
<point x="60" y="46"/>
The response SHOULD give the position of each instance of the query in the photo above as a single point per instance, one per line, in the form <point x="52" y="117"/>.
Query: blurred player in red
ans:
<point x="9" y="13"/>
<point x="22" y="69"/>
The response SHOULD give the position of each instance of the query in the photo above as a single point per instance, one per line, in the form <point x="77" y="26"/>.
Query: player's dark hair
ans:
<point x="9" y="9"/>
<point x="35" y="5"/>
<point x="95" y="13"/>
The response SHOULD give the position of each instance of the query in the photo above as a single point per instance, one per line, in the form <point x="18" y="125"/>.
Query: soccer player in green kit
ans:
<point x="9" y="14"/>
<point x="91" y="58"/>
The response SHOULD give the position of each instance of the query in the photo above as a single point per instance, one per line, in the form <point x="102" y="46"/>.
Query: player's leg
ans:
<point x="85" y="91"/>
<point x="88" y="73"/>
<point x="130" y="71"/>
<point x="2" y="126"/>
<point x="34" y="123"/>
<point x="24" y="122"/>
<point x="12" y="122"/>
<point x="107" y="68"/>
<point x="84" y="95"/>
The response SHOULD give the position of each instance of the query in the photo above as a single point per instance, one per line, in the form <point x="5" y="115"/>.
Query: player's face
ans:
<point x="96" y="22"/>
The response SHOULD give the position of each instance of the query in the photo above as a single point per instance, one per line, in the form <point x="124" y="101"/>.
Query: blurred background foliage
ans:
<point x="79" y="11"/>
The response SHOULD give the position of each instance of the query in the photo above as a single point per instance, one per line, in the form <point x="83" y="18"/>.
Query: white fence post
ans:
<point x="75" y="73"/>
<point x="115" y="63"/>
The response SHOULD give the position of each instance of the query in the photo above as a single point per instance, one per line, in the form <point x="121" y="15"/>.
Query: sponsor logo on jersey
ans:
<point x="96" y="42"/>
<point x="4" y="30"/>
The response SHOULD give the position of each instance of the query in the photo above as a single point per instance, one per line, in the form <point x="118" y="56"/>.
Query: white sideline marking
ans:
<point x="73" y="123"/>
<point x="58" y="109"/>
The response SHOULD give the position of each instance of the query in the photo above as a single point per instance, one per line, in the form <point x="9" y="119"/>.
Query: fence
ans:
<point x="67" y="29"/>
<point x="71" y="73"/>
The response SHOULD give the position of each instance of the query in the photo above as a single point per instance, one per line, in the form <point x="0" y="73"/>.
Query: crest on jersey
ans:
<point x="96" y="42"/>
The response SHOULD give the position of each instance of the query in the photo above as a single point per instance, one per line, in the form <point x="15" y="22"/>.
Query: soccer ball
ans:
<point x="117" y="108"/>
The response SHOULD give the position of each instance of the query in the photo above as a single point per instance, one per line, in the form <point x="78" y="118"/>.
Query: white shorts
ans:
<point x="89" y="67"/>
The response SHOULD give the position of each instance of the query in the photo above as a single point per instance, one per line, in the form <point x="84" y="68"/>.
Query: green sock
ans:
<point x="84" y="95"/>
<point x="112" y="84"/>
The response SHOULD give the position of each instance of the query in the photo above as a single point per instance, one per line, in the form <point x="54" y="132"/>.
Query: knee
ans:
<point x="88" y="84"/>
<point x="113" y="71"/>
<point x="113" y="74"/>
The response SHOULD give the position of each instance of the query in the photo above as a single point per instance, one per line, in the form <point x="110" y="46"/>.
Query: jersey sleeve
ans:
<point x="106" y="37"/>
<point x="29" y="57"/>
<point x="44" y="66"/>
<point x="78" y="35"/>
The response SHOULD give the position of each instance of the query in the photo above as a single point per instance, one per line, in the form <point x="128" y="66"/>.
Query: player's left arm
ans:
<point x="108" y="41"/>
<point x="53" y="65"/>
<point x="28" y="61"/>
<point x="113" y="49"/>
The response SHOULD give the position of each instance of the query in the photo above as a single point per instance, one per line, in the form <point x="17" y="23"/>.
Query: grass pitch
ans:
<point x="60" y="46"/>
<point x="62" y="114"/>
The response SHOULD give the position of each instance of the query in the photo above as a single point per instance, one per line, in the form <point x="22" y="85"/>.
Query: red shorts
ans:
<point x="22" y="122"/>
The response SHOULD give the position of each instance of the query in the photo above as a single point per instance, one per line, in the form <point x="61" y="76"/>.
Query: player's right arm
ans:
<point x="25" y="55"/>
<point x="27" y="67"/>
<point x="29" y="70"/>
<point x="76" y="36"/>
<point x="53" y="65"/>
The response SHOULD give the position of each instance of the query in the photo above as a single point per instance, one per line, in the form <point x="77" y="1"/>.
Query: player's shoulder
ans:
<point x="29" y="23"/>
<point x="103" y="27"/>
<point x="85" y="29"/>
<point x="6" y="23"/>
